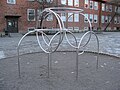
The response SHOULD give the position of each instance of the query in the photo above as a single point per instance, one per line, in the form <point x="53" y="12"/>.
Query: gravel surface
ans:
<point x="34" y="72"/>
<point x="109" y="44"/>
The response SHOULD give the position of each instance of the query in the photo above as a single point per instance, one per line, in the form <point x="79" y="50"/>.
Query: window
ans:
<point x="11" y="1"/>
<point x="110" y="8"/>
<point x="103" y="7"/>
<point x="96" y="5"/>
<point x="70" y="28"/>
<point x="38" y="14"/>
<point x="118" y="20"/>
<point x="31" y="14"/>
<point x="107" y="9"/>
<point x="49" y="1"/>
<point x="91" y="18"/>
<point x="106" y="19"/>
<point x="86" y="5"/>
<point x="31" y="0"/>
<point x="109" y="18"/>
<point x="76" y="3"/>
<point x="50" y="17"/>
<point x="70" y="2"/>
<point x="119" y="10"/>
<point x="115" y="8"/>
<point x="76" y="28"/>
<point x="76" y="17"/>
<point x="63" y="2"/>
<point x="102" y="19"/>
<point x="63" y="16"/>
<point x="70" y="19"/>
<point x="91" y="4"/>
<point x="95" y="18"/>
<point x="115" y="28"/>
<point x="40" y="0"/>
<point x="86" y="18"/>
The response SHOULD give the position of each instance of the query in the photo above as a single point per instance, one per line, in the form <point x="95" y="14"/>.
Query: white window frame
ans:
<point x="86" y="4"/>
<point x="63" y="16"/>
<point x="63" y="2"/>
<point x="102" y="19"/>
<point x="103" y="7"/>
<point x="31" y="0"/>
<point x="109" y="18"/>
<point x="115" y="28"/>
<point x="76" y="3"/>
<point x="70" y="28"/>
<point x="115" y="8"/>
<point x="28" y="14"/>
<point x="110" y="8"/>
<point x="70" y="19"/>
<point x="118" y="20"/>
<point x="86" y="18"/>
<point x="95" y="18"/>
<point x="11" y="1"/>
<point x="76" y="28"/>
<point x="95" y="5"/>
<point x="91" y="5"/>
<point x="38" y="14"/>
<point x="118" y="10"/>
<point x="106" y="8"/>
<point x="91" y="18"/>
<point x="49" y="1"/>
<point x="106" y="19"/>
<point x="50" y="17"/>
<point x="76" y="17"/>
<point x="70" y="2"/>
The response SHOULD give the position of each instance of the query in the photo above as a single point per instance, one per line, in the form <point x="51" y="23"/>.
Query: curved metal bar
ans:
<point x="44" y="38"/>
<point x="90" y="30"/>
<point x="64" y="8"/>
<point x="69" y="41"/>
<point x="58" y="18"/>
<point x="97" y="43"/>
<point x="82" y="38"/>
<point x="49" y="44"/>
<point x="19" y="47"/>
<point x="97" y="65"/>
<point x="77" y="51"/>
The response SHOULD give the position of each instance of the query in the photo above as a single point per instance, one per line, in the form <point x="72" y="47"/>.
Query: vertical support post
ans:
<point x="49" y="65"/>
<point x="49" y="62"/>
<point x="18" y="63"/>
<point x="77" y="51"/>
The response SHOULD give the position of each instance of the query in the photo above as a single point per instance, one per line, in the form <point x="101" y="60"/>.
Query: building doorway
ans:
<point x="11" y="24"/>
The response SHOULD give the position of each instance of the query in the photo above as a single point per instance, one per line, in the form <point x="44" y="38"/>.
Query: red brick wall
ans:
<point x="21" y="6"/>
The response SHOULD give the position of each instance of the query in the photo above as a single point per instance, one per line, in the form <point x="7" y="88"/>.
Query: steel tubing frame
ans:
<point x="62" y="32"/>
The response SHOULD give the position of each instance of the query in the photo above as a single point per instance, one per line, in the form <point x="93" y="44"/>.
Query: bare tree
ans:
<point x="46" y="3"/>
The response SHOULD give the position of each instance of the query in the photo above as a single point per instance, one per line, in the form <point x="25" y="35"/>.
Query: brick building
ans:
<point x="21" y="15"/>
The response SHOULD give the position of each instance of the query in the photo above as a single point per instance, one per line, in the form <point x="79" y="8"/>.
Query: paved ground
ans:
<point x="62" y="76"/>
<point x="109" y="43"/>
